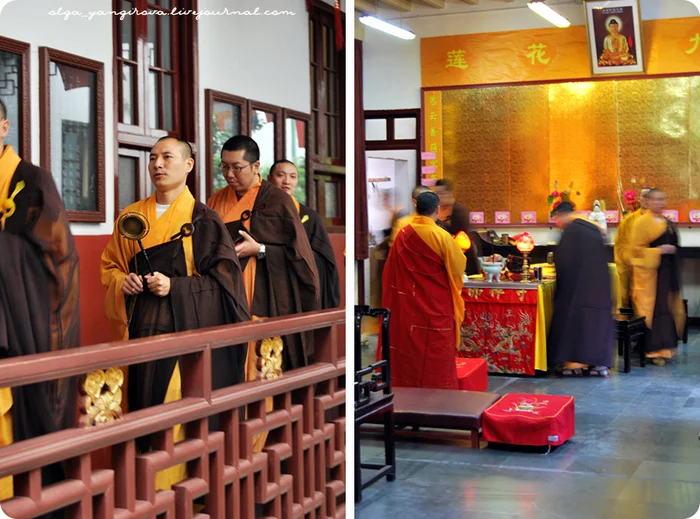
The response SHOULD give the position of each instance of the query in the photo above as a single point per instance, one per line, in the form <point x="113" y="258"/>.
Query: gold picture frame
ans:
<point x="615" y="37"/>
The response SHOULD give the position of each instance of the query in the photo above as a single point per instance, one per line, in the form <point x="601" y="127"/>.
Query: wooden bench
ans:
<point x="453" y="413"/>
<point x="629" y="328"/>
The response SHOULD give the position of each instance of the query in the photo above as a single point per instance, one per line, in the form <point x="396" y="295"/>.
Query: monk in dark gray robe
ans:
<point x="581" y="338"/>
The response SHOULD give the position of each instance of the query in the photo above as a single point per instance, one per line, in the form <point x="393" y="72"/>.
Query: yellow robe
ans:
<point x="645" y="264"/>
<point x="442" y="243"/>
<point x="227" y="204"/>
<point x="9" y="161"/>
<point x="115" y="268"/>
<point x="623" y="254"/>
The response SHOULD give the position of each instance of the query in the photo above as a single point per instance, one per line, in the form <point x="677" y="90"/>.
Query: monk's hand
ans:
<point x="158" y="284"/>
<point x="132" y="285"/>
<point x="667" y="249"/>
<point x="248" y="247"/>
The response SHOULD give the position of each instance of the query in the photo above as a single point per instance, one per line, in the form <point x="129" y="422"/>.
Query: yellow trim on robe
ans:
<point x="9" y="161"/>
<point x="442" y="243"/>
<point x="114" y="268"/>
<point x="399" y="224"/>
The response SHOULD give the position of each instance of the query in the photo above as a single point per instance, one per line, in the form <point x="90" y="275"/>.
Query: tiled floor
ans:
<point x="635" y="455"/>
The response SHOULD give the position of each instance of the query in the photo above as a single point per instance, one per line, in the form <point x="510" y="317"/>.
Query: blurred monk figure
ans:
<point x="623" y="250"/>
<point x="656" y="288"/>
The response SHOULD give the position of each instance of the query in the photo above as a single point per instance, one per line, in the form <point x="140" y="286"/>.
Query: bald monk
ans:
<point x="656" y="286"/>
<point x="196" y="283"/>
<point x="403" y="221"/>
<point x="279" y="269"/>
<point x="423" y="290"/>
<point x="623" y="250"/>
<point x="39" y="299"/>
<point x="284" y="175"/>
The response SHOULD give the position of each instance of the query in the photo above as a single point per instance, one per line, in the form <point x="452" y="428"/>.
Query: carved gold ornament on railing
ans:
<point x="270" y="358"/>
<point x="101" y="394"/>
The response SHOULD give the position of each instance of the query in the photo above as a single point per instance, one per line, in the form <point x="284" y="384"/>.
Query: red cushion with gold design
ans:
<point x="472" y="374"/>
<point x="533" y="420"/>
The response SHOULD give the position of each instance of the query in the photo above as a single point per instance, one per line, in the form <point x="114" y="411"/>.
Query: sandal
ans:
<point x="599" y="371"/>
<point x="571" y="373"/>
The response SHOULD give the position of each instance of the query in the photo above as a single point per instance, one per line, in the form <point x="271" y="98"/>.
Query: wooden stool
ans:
<point x="630" y="328"/>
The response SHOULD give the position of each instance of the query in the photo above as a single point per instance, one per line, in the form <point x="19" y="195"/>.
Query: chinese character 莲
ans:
<point x="455" y="59"/>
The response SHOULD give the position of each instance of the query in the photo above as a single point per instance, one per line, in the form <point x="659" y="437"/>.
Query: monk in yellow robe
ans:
<point x="279" y="270"/>
<point x="284" y="175"/>
<point x="656" y="288"/>
<point x="423" y="290"/>
<point x="39" y="299"/>
<point x="623" y="250"/>
<point x="189" y="278"/>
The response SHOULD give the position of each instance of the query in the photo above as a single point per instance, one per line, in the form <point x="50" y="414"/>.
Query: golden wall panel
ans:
<point x="504" y="147"/>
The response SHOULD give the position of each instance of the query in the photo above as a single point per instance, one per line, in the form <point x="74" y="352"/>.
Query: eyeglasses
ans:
<point x="225" y="168"/>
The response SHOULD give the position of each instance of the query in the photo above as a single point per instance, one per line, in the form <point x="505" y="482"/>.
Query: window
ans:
<point x="327" y="87"/>
<point x="266" y="129"/>
<point x="327" y="124"/>
<point x="296" y="138"/>
<point x="155" y="58"/>
<point x="72" y="129"/>
<point x="227" y="118"/>
<point x="14" y="91"/>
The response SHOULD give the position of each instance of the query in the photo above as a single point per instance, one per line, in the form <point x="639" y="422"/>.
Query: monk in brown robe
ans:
<point x="285" y="176"/>
<point x="39" y="299"/>
<point x="195" y="282"/>
<point x="278" y="263"/>
<point x="656" y="286"/>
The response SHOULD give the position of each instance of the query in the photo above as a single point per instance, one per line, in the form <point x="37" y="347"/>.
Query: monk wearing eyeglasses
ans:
<point x="279" y="269"/>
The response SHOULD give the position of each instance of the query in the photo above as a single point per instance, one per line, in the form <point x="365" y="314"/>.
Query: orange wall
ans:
<point x="94" y="324"/>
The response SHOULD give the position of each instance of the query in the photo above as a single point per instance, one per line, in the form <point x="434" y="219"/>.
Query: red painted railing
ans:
<point x="299" y="474"/>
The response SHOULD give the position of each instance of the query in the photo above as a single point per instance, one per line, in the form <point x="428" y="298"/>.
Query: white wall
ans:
<point x="392" y="66"/>
<point x="264" y="58"/>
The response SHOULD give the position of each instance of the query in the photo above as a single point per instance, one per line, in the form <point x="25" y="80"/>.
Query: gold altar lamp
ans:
<point x="525" y="244"/>
<point x="463" y="241"/>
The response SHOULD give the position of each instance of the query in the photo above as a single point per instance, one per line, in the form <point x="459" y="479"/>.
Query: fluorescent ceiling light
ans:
<point x="389" y="28"/>
<point x="548" y="13"/>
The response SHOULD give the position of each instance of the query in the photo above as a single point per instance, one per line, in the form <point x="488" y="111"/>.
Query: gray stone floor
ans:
<point x="635" y="455"/>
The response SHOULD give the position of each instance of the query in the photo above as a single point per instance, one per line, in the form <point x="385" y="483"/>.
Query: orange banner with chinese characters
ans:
<point x="672" y="47"/>
<point x="432" y="101"/>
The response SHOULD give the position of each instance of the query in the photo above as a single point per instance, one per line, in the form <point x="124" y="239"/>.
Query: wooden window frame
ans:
<point x="139" y="137"/>
<point x="24" y="124"/>
<point x="279" y="128"/>
<point x="301" y="116"/>
<point x="210" y="98"/>
<point x="46" y="56"/>
<point x="141" y="182"/>
<point x="335" y="165"/>
<point x="393" y="144"/>
<point x="332" y="227"/>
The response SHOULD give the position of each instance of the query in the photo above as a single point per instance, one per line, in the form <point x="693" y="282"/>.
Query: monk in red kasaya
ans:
<point x="423" y="290"/>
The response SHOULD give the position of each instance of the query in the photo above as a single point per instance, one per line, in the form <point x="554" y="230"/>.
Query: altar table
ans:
<point x="507" y="323"/>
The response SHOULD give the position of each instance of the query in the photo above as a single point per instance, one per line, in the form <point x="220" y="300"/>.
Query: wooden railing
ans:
<point x="299" y="474"/>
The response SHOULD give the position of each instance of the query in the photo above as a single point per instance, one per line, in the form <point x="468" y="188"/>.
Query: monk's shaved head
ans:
<point x="184" y="146"/>
<point x="419" y="190"/>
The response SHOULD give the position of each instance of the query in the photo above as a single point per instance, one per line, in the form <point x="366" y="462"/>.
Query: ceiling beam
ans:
<point x="367" y="6"/>
<point x="438" y="4"/>
<point x="399" y="5"/>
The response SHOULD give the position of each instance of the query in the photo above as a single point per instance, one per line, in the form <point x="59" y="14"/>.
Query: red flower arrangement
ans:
<point x="556" y="197"/>
<point x="630" y="197"/>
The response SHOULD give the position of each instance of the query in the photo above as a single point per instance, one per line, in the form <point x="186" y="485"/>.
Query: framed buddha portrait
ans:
<point x="615" y="43"/>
